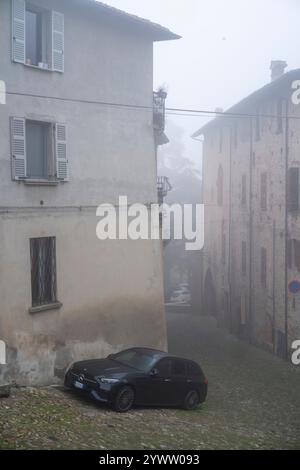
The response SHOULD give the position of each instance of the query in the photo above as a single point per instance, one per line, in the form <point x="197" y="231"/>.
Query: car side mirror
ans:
<point x="111" y="356"/>
<point x="154" y="373"/>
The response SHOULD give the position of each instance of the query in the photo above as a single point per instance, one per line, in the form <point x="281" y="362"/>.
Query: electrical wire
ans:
<point x="175" y="111"/>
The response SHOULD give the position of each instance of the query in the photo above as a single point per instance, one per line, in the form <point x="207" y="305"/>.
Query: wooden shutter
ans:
<point x="58" y="41"/>
<point x="18" y="148"/>
<point x="61" y="151"/>
<point x="18" y="31"/>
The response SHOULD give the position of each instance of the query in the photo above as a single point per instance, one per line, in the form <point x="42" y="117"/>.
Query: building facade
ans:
<point x="251" y="164"/>
<point x="76" y="132"/>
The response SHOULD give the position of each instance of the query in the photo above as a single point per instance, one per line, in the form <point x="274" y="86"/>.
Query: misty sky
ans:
<point x="225" y="52"/>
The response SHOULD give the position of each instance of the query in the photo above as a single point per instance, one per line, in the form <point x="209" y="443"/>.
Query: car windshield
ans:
<point x="137" y="359"/>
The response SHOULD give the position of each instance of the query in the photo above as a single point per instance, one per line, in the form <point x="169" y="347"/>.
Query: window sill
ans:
<point x="41" y="182"/>
<point x="45" y="308"/>
<point x="36" y="67"/>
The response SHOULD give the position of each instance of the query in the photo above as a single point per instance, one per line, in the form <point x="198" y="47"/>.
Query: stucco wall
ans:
<point x="265" y="306"/>
<point x="112" y="293"/>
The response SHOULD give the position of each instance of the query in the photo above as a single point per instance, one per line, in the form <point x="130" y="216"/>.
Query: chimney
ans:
<point x="277" y="69"/>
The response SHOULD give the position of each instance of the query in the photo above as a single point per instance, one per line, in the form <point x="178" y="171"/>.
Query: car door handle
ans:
<point x="167" y="380"/>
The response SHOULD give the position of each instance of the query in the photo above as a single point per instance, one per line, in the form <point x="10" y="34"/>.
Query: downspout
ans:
<point x="230" y="232"/>
<point x="251" y="235"/>
<point x="286" y="225"/>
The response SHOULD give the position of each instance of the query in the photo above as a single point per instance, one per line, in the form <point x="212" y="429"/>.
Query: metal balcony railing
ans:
<point x="159" y="110"/>
<point x="163" y="187"/>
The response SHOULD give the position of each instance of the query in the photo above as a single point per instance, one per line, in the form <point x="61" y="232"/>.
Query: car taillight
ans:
<point x="206" y="381"/>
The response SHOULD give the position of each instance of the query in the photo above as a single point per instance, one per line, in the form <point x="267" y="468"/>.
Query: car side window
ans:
<point x="193" y="369"/>
<point x="164" y="368"/>
<point x="178" y="368"/>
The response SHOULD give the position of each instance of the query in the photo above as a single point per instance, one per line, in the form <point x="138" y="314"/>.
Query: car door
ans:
<point x="178" y="383"/>
<point x="158" y="387"/>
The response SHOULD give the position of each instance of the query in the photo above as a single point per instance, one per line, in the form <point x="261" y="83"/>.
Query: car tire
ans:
<point x="191" y="401"/>
<point x="124" y="399"/>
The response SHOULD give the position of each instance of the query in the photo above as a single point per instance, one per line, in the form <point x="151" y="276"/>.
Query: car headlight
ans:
<point x="105" y="380"/>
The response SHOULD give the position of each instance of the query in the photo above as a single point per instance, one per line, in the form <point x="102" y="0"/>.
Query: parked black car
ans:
<point x="140" y="376"/>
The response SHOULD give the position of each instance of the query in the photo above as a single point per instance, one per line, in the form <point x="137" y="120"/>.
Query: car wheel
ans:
<point x="124" y="399"/>
<point x="191" y="401"/>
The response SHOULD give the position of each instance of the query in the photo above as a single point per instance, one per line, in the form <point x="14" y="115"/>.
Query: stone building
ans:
<point x="76" y="131"/>
<point x="251" y="164"/>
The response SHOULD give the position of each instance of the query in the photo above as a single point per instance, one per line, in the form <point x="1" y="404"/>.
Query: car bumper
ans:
<point x="203" y="393"/>
<point x="101" y="393"/>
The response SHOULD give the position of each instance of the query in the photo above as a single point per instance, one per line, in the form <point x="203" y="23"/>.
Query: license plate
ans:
<point x="79" y="385"/>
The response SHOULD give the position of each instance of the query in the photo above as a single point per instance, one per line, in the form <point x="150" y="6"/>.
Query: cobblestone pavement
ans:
<point x="253" y="403"/>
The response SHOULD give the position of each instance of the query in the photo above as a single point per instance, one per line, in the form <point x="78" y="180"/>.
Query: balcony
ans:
<point x="163" y="188"/>
<point x="159" y="110"/>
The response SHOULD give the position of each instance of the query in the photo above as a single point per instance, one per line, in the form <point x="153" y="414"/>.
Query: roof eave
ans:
<point x="251" y="99"/>
<point x="154" y="31"/>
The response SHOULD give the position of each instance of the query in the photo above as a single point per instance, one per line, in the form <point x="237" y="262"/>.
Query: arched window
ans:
<point x="220" y="185"/>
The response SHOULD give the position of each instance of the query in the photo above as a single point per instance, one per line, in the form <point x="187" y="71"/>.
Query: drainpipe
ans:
<point x="251" y="234"/>
<point x="274" y="288"/>
<point x="286" y="225"/>
<point x="230" y="232"/>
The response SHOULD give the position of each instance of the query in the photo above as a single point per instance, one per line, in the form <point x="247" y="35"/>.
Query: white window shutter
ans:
<point x="18" y="148"/>
<point x="61" y="152"/>
<point x="58" y="41"/>
<point x="18" y="31"/>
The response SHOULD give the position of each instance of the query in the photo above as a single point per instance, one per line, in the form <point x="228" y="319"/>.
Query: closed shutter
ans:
<point x="61" y="151"/>
<point x="18" y="148"/>
<point x="58" y="42"/>
<point x="18" y="31"/>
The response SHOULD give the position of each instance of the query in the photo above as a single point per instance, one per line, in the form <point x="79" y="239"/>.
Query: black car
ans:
<point x="141" y="377"/>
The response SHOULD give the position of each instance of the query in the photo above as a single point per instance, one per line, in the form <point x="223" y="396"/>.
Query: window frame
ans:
<point x="244" y="257"/>
<point x="52" y="36"/>
<point x="244" y="191"/>
<point x="49" y="153"/>
<point x="39" y="301"/>
<point x="264" y="267"/>
<point x="293" y="201"/>
<point x="264" y="191"/>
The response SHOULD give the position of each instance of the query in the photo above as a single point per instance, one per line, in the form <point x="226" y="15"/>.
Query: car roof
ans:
<point x="160" y="354"/>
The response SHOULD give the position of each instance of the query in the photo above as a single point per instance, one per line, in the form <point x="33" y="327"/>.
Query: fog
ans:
<point x="225" y="52"/>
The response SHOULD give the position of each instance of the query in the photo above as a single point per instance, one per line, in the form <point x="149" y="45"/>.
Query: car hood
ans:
<point x="102" y="367"/>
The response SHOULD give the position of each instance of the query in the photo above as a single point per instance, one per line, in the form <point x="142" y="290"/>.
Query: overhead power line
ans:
<point x="170" y="111"/>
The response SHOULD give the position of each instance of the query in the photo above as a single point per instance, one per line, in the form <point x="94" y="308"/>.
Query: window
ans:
<point x="220" y="186"/>
<point x="244" y="258"/>
<point x="263" y="191"/>
<point x="34" y="37"/>
<point x="164" y="368"/>
<point x="39" y="151"/>
<point x="293" y="255"/>
<point x="43" y="271"/>
<point x="293" y="189"/>
<point x="37" y="36"/>
<point x="220" y="140"/>
<point x="235" y="135"/>
<point x="194" y="370"/>
<point x="178" y="367"/>
<point x="244" y="190"/>
<point x="263" y="273"/>
<point x="279" y="116"/>
<point x="257" y="126"/>
<point x="223" y="248"/>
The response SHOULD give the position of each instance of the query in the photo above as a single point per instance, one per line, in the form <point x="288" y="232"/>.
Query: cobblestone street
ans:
<point x="253" y="403"/>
